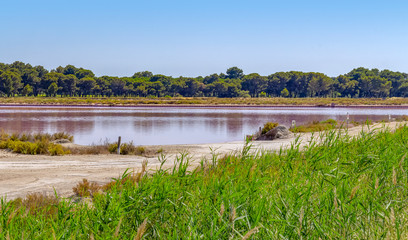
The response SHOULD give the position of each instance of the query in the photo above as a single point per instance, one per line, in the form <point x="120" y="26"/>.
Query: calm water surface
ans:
<point x="157" y="125"/>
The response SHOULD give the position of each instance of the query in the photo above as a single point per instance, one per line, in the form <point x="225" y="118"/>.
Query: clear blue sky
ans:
<point x="192" y="38"/>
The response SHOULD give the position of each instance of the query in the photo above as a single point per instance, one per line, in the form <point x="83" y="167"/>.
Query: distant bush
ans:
<point x="316" y="126"/>
<point x="56" y="149"/>
<point x="269" y="126"/>
<point x="24" y="147"/>
<point x="113" y="147"/>
<point x="126" y="149"/>
<point x="402" y="118"/>
<point x="62" y="135"/>
<point x="34" y="143"/>
<point x="330" y="121"/>
<point x="140" y="150"/>
<point x="130" y="148"/>
<point x="93" y="149"/>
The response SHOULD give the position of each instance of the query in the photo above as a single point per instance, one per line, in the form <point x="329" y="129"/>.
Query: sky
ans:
<point x="197" y="38"/>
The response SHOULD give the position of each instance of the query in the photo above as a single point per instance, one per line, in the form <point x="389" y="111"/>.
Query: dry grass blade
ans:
<point x="53" y="235"/>
<point x="141" y="230"/>
<point x="250" y="232"/>
<point x="118" y="228"/>
<point x="353" y="192"/>
<point x="401" y="162"/>
<point x="336" y="205"/>
<point x="144" y="165"/>
<point x="253" y="168"/>
<point x="222" y="210"/>
<point x="377" y="183"/>
<point x="91" y="236"/>
<point x="392" y="216"/>
<point x="139" y="175"/>
<point x="394" y="176"/>
<point x="233" y="214"/>
<point x="301" y="215"/>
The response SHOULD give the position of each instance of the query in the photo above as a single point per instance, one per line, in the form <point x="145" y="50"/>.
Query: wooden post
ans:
<point x="119" y="144"/>
<point x="347" y="122"/>
<point x="389" y="117"/>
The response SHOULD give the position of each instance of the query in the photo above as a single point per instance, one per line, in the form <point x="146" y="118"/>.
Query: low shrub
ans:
<point x="140" y="150"/>
<point x="127" y="148"/>
<point x="42" y="146"/>
<point x="330" y="121"/>
<point x="24" y="137"/>
<point x="37" y="204"/>
<point x="93" y="149"/>
<point x="402" y="118"/>
<point x="41" y="137"/>
<point x="62" y="135"/>
<point x="130" y="148"/>
<point x="86" y="188"/>
<point x="113" y="147"/>
<point x="57" y="150"/>
<point x="268" y="126"/>
<point x="14" y="137"/>
<point x="33" y="144"/>
<point x="24" y="147"/>
<point x="3" y="135"/>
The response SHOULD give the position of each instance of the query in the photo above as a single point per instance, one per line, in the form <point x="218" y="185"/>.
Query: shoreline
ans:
<point x="200" y="106"/>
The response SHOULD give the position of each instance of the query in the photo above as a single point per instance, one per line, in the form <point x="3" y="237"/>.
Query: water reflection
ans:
<point x="152" y="126"/>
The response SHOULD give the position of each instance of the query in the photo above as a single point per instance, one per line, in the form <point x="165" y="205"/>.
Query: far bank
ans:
<point x="205" y="101"/>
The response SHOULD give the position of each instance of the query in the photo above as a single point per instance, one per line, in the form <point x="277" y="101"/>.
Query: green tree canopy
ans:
<point x="235" y="72"/>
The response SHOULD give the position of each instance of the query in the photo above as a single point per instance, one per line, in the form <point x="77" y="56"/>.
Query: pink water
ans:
<point x="169" y="125"/>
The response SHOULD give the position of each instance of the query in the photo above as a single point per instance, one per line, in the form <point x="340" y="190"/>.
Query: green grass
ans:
<point x="337" y="187"/>
<point x="316" y="126"/>
<point x="128" y="101"/>
<point x="330" y="124"/>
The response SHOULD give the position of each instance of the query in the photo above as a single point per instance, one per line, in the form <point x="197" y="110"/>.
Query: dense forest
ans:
<point x="20" y="79"/>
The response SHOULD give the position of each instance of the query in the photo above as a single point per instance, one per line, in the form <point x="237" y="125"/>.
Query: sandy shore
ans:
<point x="23" y="174"/>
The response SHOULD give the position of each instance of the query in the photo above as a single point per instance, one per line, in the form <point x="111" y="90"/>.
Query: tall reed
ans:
<point x="337" y="187"/>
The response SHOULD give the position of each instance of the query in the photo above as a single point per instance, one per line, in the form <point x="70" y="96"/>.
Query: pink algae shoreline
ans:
<point x="200" y="106"/>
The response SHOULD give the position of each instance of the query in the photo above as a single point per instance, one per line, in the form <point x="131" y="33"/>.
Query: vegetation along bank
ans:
<point x="20" y="79"/>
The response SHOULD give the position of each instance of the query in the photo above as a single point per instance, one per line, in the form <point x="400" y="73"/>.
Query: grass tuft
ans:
<point x="37" y="143"/>
<point x="86" y="188"/>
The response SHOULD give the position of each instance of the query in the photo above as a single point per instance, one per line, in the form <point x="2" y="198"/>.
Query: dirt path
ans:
<point x="23" y="174"/>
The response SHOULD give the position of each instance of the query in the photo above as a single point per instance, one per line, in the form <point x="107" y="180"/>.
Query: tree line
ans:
<point x="21" y="79"/>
